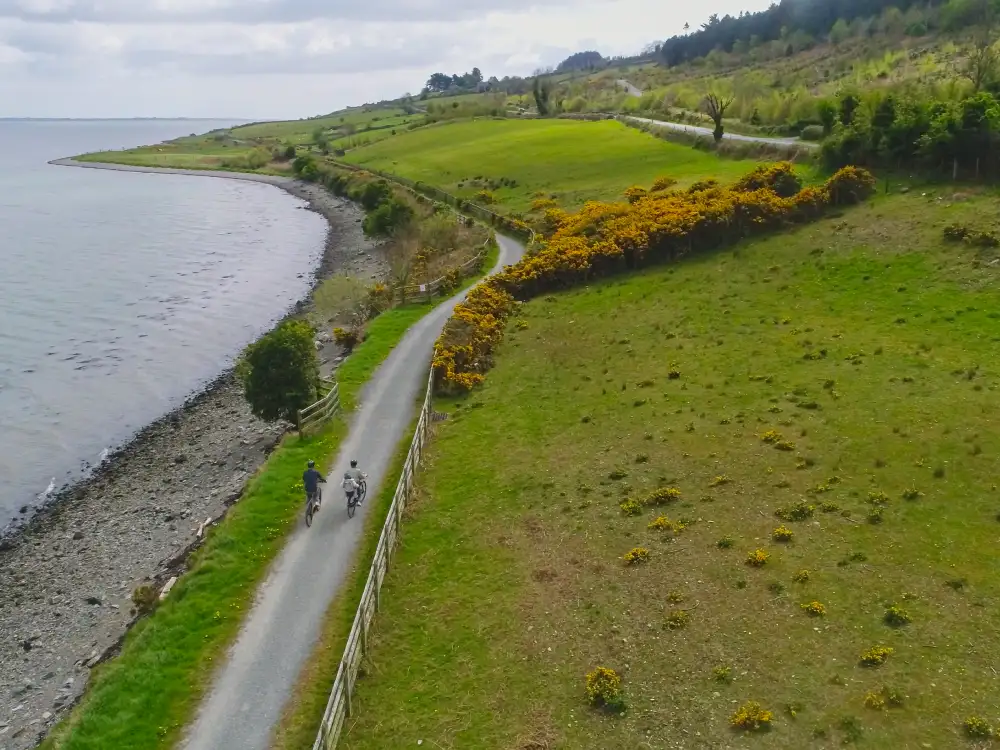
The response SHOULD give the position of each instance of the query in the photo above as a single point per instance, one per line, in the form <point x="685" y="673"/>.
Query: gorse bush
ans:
<point x="606" y="238"/>
<point x="752" y="716"/>
<point x="604" y="689"/>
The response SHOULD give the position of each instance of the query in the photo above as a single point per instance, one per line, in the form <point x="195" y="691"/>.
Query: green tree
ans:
<point x="840" y="32"/>
<point x="280" y="372"/>
<point x="827" y="113"/>
<point x="541" y="93"/>
<point x="849" y="104"/>
<point x="390" y="217"/>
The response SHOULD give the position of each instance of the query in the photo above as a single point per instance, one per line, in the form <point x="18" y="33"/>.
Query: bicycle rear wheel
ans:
<point x="350" y="508"/>
<point x="362" y="491"/>
<point x="310" y="509"/>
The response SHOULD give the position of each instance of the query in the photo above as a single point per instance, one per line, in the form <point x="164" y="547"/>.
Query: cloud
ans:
<point x="252" y="11"/>
<point x="290" y="58"/>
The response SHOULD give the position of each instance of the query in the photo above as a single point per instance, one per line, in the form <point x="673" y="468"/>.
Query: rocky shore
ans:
<point x="67" y="575"/>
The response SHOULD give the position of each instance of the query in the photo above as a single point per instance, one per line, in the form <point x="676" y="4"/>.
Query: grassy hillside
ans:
<point x="572" y="161"/>
<point x="835" y="381"/>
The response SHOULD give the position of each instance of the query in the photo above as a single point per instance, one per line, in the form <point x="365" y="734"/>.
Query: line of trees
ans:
<point x="798" y="23"/>
<point x="441" y="82"/>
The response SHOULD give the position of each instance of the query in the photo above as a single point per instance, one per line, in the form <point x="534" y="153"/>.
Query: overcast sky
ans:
<point x="295" y="58"/>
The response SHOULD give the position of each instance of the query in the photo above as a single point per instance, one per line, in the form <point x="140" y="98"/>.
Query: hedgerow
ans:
<point x="607" y="238"/>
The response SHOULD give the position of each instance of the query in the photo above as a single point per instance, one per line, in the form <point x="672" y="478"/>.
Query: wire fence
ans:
<point x="338" y="707"/>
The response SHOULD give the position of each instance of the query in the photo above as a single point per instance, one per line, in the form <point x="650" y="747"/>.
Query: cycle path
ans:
<point x="250" y="691"/>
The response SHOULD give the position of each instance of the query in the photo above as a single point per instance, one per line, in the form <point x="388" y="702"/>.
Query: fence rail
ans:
<point x="431" y="288"/>
<point x="338" y="707"/>
<point x="320" y="411"/>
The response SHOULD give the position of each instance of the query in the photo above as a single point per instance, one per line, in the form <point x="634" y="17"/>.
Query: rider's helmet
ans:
<point x="354" y="464"/>
<point x="311" y="464"/>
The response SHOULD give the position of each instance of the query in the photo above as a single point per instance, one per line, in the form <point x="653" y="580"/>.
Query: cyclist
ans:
<point x="310" y="480"/>
<point x="352" y="481"/>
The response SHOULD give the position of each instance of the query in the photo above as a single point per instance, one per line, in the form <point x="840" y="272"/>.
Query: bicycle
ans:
<point x="312" y="502"/>
<point x="357" y="498"/>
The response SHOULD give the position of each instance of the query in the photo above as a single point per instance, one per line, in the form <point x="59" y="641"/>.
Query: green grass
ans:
<point x="509" y="585"/>
<point x="576" y="161"/>
<point x="143" y="698"/>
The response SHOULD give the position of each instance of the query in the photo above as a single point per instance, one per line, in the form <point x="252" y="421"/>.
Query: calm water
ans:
<point x="121" y="293"/>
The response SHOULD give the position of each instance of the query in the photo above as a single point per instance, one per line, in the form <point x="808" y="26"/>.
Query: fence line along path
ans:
<point x="249" y="691"/>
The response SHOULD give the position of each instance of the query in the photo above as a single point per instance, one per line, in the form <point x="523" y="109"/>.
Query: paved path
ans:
<point x="248" y="695"/>
<point x="698" y="130"/>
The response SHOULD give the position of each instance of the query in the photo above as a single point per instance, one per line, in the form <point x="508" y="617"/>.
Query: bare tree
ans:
<point x="716" y="106"/>
<point x="981" y="66"/>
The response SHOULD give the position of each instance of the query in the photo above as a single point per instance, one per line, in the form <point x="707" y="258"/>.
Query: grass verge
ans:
<point x="575" y="161"/>
<point x="143" y="698"/>
<point x="832" y="381"/>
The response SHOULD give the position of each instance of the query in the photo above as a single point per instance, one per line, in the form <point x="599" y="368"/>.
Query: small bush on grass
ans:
<point x="977" y="728"/>
<point x="896" y="616"/>
<point x="604" y="689"/>
<point x="799" y="512"/>
<point x="722" y="674"/>
<point x="144" y="598"/>
<point x="814" y="609"/>
<point x="752" y="717"/>
<point x="677" y="619"/>
<point x="636" y="556"/>
<point x="758" y="558"/>
<point x="782" y="534"/>
<point x="801" y="577"/>
<point x="662" y="496"/>
<point x="876" y="656"/>
<point x="662" y="523"/>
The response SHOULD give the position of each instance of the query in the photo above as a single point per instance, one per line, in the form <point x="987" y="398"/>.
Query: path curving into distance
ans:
<point x="249" y="692"/>
<point x="707" y="132"/>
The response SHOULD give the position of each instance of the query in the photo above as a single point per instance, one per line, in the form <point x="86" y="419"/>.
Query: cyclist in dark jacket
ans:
<point x="310" y="480"/>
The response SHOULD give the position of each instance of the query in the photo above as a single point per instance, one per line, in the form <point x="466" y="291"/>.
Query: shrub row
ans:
<point x="607" y="238"/>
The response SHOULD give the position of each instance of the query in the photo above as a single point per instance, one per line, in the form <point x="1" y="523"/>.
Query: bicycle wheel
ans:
<point x="310" y="509"/>
<point x="362" y="491"/>
<point x="350" y="508"/>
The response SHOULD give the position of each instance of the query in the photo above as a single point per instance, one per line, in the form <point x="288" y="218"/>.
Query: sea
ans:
<point x="123" y="293"/>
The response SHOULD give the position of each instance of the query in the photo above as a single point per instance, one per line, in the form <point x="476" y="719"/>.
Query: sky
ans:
<point x="271" y="59"/>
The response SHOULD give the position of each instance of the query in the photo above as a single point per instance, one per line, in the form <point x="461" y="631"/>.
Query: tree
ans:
<point x="849" y="104"/>
<point x="438" y="82"/>
<point x="827" y="113"/>
<point x="980" y="68"/>
<point x="716" y="106"/>
<point x="840" y="32"/>
<point x="541" y="92"/>
<point x="280" y="372"/>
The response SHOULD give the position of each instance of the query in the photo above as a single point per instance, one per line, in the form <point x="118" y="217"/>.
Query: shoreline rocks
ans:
<point x="67" y="575"/>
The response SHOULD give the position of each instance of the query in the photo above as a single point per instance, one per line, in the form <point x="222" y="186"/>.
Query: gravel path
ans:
<point x="248" y="695"/>
<point x="66" y="577"/>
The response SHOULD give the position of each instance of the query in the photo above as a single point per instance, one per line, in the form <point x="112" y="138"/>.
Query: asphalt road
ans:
<point x="698" y="130"/>
<point x="248" y="694"/>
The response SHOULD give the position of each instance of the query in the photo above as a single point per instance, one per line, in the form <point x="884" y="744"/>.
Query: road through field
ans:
<point x="707" y="132"/>
<point x="250" y="691"/>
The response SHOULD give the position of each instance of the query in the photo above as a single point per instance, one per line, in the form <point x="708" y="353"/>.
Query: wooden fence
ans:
<point x="317" y="413"/>
<point x="338" y="707"/>
<point x="430" y="288"/>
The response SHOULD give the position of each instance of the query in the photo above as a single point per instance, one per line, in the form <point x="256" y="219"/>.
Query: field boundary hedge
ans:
<point x="607" y="238"/>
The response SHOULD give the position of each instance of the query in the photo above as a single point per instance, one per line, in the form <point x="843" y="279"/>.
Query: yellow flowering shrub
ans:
<point x="876" y="656"/>
<point x="875" y="701"/>
<point x="771" y="437"/>
<point x="602" y="239"/>
<point x="782" y="534"/>
<point x="662" y="496"/>
<point x="801" y="577"/>
<point x="604" y="688"/>
<point x="977" y="728"/>
<point x="758" y="558"/>
<point x="630" y="507"/>
<point x="752" y="716"/>
<point x="662" y="523"/>
<point x="814" y="609"/>
<point x="346" y="337"/>
<point x="635" y="194"/>
<point x="662" y="183"/>
<point x="636" y="555"/>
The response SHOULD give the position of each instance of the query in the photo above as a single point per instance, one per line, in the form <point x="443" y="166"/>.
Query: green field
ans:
<point x="868" y="345"/>
<point x="575" y="161"/>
